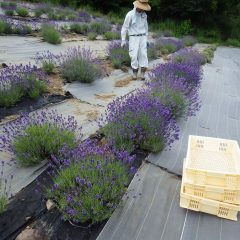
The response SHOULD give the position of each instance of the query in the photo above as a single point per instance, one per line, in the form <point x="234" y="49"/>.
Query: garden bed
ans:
<point x="28" y="104"/>
<point x="27" y="210"/>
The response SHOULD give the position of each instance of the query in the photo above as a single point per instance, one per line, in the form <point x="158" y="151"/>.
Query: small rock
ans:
<point x="27" y="218"/>
<point x="50" y="205"/>
<point x="31" y="234"/>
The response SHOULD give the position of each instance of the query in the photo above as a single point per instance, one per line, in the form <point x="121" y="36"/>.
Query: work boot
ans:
<point x="143" y="71"/>
<point x="134" y="73"/>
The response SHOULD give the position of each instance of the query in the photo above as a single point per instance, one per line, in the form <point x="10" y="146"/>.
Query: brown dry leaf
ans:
<point x="92" y="114"/>
<point x="105" y="96"/>
<point x="123" y="83"/>
<point x="56" y="84"/>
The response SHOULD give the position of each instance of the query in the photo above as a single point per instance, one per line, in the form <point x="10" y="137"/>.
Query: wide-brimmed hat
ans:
<point x="142" y="4"/>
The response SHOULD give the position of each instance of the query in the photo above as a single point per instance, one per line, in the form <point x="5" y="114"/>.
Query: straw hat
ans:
<point x="142" y="4"/>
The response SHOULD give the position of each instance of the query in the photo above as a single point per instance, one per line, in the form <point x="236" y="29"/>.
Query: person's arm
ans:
<point x="125" y="28"/>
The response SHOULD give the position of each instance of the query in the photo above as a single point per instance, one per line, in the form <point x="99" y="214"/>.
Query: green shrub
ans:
<point x="120" y="57"/>
<point x="174" y="100"/>
<point x="99" y="27"/>
<point x="233" y="43"/>
<point x="185" y="28"/>
<point x="22" y="12"/>
<point x="208" y="53"/>
<point x="52" y="16"/>
<point x="92" y="36"/>
<point x="23" y="30"/>
<point x="37" y="88"/>
<point x="50" y="34"/>
<point x="12" y="4"/>
<point x="80" y="69"/>
<point x="91" y="187"/>
<point x="48" y="67"/>
<point x="39" y="142"/>
<point x="38" y="12"/>
<point x="9" y="12"/>
<point x="71" y="17"/>
<point x="10" y="97"/>
<point x="5" y="27"/>
<point x="79" y="28"/>
<point x="3" y="203"/>
<point x="112" y="35"/>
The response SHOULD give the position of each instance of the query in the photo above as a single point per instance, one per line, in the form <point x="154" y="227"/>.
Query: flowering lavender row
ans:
<point x="35" y="137"/>
<point x="91" y="181"/>
<point x="138" y="120"/>
<point x="188" y="56"/>
<point x="169" y="45"/>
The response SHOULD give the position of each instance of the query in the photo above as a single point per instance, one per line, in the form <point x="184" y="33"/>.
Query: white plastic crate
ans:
<point x="221" y="194"/>
<point x="220" y="209"/>
<point x="213" y="161"/>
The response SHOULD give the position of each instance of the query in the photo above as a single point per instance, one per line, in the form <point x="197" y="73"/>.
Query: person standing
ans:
<point x="136" y="25"/>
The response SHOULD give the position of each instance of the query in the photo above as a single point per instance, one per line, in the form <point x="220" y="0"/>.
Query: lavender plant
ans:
<point x="177" y="96"/>
<point x="118" y="56"/>
<point x="90" y="182"/>
<point x="152" y="51"/>
<point x="20" y="80"/>
<point x="84" y="16"/>
<point x="189" y="41"/>
<point x="169" y="45"/>
<point x="50" y="34"/>
<point x="79" y="64"/>
<point x="99" y="27"/>
<point x="112" y="35"/>
<point x="190" y="74"/>
<point x="35" y="137"/>
<point x="22" y="12"/>
<point x="138" y="120"/>
<point x="188" y="56"/>
<point x="79" y="28"/>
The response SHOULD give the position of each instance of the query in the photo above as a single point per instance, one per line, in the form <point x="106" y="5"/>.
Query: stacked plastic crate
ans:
<point x="211" y="177"/>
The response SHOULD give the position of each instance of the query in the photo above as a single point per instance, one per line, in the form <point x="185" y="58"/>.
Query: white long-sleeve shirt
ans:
<point x="134" y="23"/>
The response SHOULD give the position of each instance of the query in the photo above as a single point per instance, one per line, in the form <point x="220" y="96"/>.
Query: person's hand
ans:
<point x="123" y="43"/>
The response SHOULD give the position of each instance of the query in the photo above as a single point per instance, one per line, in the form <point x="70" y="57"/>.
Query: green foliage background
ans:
<point x="220" y="14"/>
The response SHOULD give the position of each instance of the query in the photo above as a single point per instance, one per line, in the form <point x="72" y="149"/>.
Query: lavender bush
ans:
<point x="79" y="28"/>
<point x="169" y="45"/>
<point x="188" y="56"/>
<point x="35" y="137"/>
<point x="138" y="120"/>
<point x="99" y="27"/>
<point x="50" y="34"/>
<point x="176" y="95"/>
<point x="20" y="80"/>
<point x="84" y="16"/>
<point x="189" y="41"/>
<point x="190" y="74"/>
<point x="118" y="56"/>
<point x="152" y="51"/>
<point x="79" y="64"/>
<point x="91" y="182"/>
<point x="112" y="35"/>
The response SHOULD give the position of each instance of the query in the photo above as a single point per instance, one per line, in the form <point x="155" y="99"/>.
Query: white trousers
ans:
<point x="138" y="51"/>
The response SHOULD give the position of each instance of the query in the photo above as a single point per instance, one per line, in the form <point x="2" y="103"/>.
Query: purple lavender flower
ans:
<point x="139" y="120"/>
<point x="91" y="194"/>
<point x="169" y="45"/>
<point x="188" y="56"/>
